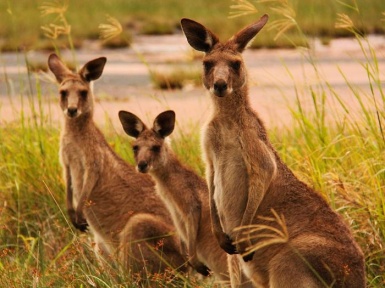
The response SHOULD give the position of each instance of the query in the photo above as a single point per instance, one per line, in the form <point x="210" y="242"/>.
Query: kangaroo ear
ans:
<point x="131" y="123"/>
<point x="198" y="36"/>
<point x="244" y="37"/>
<point x="58" y="68"/>
<point x="93" y="69"/>
<point x="164" y="123"/>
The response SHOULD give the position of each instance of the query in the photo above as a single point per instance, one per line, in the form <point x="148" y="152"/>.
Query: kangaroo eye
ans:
<point x="208" y="65"/>
<point x="135" y="148"/>
<point x="83" y="93"/>
<point x="155" y="148"/>
<point x="235" y="65"/>
<point x="63" y="93"/>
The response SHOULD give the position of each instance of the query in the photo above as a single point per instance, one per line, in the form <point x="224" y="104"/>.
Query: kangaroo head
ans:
<point x="150" y="149"/>
<point x="75" y="88"/>
<point x="224" y="69"/>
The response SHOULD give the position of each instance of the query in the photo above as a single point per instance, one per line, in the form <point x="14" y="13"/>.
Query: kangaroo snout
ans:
<point x="72" y="112"/>
<point x="220" y="88"/>
<point x="143" y="166"/>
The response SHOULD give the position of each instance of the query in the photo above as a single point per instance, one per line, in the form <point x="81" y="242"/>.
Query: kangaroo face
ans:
<point x="75" y="88"/>
<point x="147" y="151"/>
<point x="224" y="70"/>
<point x="74" y="98"/>
<point x="149" y="147"/>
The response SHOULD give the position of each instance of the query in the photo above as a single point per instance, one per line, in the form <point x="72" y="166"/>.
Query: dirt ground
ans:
<point x="278" y="78"/>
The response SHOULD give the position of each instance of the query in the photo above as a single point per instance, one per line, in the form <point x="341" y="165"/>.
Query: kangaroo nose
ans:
<point x="219" y="87"/>
<point x="72" y="111"/>
<point x="142" y="166"/>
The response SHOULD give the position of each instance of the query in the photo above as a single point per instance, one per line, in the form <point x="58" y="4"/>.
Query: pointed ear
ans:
<point x="198" y="36"/>
<point x="164" y="123"/>
<point x="244" y="37"/>
<point x="93" y="69"/>
<point x="58" y="68"/>
<point x="131" y="123"/>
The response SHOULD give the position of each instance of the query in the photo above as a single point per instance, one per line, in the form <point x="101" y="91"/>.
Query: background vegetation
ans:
<point x="343" y="159"/>
<point x="20" y="21"/>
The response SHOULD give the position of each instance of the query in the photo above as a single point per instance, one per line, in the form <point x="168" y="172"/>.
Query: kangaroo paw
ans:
<point x="203" y="269"/>
<point x="227" y="245"/>
<point x="248" y="257"/>
<point x="83" y="226"/>
<point x="79" y="222"/>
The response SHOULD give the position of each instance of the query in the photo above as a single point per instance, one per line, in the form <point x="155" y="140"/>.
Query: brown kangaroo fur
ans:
<point x="182" y="190"/>
<point x="124" y="214"/>
<point x="248" y="182"/>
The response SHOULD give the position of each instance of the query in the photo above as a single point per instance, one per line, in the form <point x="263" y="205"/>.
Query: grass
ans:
<point x="20" y="21"/>
<point x="176" y="78"/>
<point x="39" y="247"/>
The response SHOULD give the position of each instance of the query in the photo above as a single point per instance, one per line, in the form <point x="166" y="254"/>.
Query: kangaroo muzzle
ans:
<point x="221" y="86"/>
<point x="143" y="167"/>
<point x="72" y="112"/>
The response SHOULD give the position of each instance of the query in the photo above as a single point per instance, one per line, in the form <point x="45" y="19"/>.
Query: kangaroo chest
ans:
<point x="230" y="175"/>
<point x="77" y="158"/>
<point x="177" y="210"/>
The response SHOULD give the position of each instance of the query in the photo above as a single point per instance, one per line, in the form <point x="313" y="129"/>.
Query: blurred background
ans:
<point x="21" y="21"/>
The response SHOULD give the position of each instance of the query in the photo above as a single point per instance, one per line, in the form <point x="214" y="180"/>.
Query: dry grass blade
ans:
<point x="242" y="8"/>
<point x="344" y="22"/>
<point x="59" y="8"/>
<point x="265" y="235"/>
<point x="53" y="31"/>
<point x="281" y="26"/>
<point x="352" y="5"/>
<point x="54" y="7"/>
<point x="284" y="9"/>
<point x="110" y="30"/>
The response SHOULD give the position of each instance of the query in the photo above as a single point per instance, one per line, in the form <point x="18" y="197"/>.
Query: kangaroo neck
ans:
<point x="173" y="179"/>
<point x="80" y="124"/>
<point x="170" y="167"/>
<point x="233" y="104"/>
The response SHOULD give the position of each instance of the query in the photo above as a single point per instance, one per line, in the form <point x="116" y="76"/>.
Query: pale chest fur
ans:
<point x="76" y="156"/>
<point x="175" y="209"/>
<point x="223" y="151"/>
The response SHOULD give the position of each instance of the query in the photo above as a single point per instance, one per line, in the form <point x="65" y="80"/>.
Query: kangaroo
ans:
<point x="182" y="190"/>
<point x="248" y="183"/>
<point x="104" y="193"/>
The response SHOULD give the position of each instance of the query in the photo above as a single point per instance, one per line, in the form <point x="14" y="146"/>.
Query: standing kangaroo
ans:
<point x="119" y="205"/>
<point x="248" y="183"/>
<point x="182" y="190"/>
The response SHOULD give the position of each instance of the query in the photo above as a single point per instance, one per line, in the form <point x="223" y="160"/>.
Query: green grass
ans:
<point x="39" y="247"/>
<point x="176" y="78"/>
<point x="20" y="21"/>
